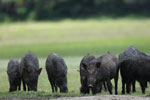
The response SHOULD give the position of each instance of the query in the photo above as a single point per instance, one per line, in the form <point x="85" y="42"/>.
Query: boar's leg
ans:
<point x="52" y="86"/>
<point x="10" y="89"/>
<point x="24" y="84"/>
<point x="98" y="87"/>
<point x="123" y="86"/>
<point x="84" y="89"/>
<point x="55" y="88"/>
<point x="28" y="87"/>
<point x="93" y="91"/>
<point x="133" y="86"/>
<point x="109" y="85"/>
<point x="13" y="88"/>
<point x="104" y="84"/>
<point x="51" y="80"/>
<point x="19" y="87"/>
<point x="146" y="86"/>
<point x="142" y="84"/>
<point x="19" y="84"/>
<point x="116" y="84"/>
<point x="128" y="87"/>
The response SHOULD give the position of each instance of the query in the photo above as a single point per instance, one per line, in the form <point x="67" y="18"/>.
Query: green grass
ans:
<point x="71" y="39"/>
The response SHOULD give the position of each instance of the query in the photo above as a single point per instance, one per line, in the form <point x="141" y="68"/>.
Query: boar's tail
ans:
<point x="117" y="72"/>
<point x="118" y="67"/>
<point x="120" y="63"/>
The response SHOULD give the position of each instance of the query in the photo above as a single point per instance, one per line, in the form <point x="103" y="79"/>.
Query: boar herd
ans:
<point x="96" y="73"/>
<point x="28" y="71"/>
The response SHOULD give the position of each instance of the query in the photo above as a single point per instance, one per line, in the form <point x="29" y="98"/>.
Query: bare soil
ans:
<point x="106" y="97"/>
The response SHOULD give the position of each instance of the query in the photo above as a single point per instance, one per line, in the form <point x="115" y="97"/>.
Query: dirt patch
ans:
<point x="106" y="97"/>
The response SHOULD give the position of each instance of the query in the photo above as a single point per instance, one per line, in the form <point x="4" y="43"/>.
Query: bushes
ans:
<point x="52" y="9"/>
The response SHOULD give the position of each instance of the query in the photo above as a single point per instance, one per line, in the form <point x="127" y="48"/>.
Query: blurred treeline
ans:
<point x="55" y="9"/>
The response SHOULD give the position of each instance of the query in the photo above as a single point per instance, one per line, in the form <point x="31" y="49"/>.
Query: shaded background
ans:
<point x="58" y="9"/>
<point x="73" y="27"/>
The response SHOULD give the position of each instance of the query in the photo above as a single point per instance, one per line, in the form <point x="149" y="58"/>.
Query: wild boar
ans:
<point x="129" y="53"/>
<point x="57" y="72"/>
<point x="30" y="71"/>
<point x="101" y="69"/>
<point x="138" y="68"/>
<point x="13" y="75"/>
<point x="83" y="73"/>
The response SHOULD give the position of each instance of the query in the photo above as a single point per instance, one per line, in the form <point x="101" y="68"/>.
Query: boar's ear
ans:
<point x="98" y="64"/>
<point x="7" y="72"/>
<point x="39" y="71"/>
<point x="84" y="65"/>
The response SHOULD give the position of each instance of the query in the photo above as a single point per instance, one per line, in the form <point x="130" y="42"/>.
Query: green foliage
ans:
<point x="58" y="9"/>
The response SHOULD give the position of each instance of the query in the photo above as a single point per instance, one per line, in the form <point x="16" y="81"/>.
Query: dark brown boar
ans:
<point x="30" y="71"/>
<point x="101" y="69"/>
<point x="57" y="72"/>
<point x="131" y="52"/>
<point x="83" y="73"/>
<point x="13" y="75"/>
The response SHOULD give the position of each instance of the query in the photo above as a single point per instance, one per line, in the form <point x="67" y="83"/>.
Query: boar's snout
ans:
<point x="90" y="86"/>
<point x="64" y="90"/>
<point x="91" y="81"/>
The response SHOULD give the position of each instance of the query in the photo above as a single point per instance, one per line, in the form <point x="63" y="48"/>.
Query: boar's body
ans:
<point x="30" y="71"/>
<point x="108" y="70"/>
<point x="57" y="72"/>
<point x="130" y="53"/>
<point x="108" y="66"/>
<point x="138" y="69"/>
<point x="13" y="75"/>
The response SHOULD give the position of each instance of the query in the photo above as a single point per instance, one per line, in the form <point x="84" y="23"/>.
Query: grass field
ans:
<point x="71" y="39"/>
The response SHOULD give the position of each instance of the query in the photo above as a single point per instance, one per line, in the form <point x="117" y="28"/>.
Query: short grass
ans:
<point x="71" y="39"/>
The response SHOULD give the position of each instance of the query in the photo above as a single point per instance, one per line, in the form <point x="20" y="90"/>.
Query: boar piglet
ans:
<point x="13" y="75"/>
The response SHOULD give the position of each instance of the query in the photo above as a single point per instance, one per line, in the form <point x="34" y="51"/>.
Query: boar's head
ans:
<point x="63" y="85"/>
<point x="91" y="70"/>
<point x="62" y="81"/>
